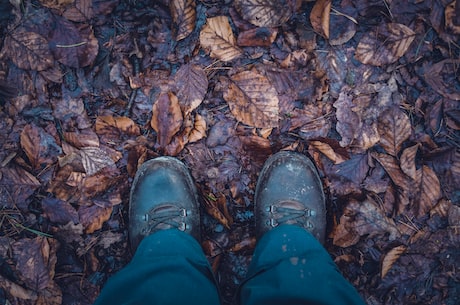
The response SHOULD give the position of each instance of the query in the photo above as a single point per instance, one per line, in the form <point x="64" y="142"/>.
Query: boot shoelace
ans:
<point x="169" y="215"/>
<point x="290" y="215"/>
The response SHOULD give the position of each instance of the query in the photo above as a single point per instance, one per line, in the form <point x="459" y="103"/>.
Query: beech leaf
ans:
<point x="191" y="83"/>
<point x="408" y="161"/>
<point x="430" y="190"/>
<point x="93" y="217"/>
<point x="320" y="17"/>
<point x="391" y="257"/>
<point x="269" y="13"/>
<point x="166" y="118"/>
<point x="253" y="100"/>
<point x="94" y="159"/>
<point x="217" y="37"/>
<point x="81" y="11"/>
<point x="394" y="128"/>
<point x="28" y="50"/>
<point x="385" y="44"/>
<point x="183" y="13"/>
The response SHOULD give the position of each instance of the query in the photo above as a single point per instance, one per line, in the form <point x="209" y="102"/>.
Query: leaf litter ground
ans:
<point x="90" y="89"/>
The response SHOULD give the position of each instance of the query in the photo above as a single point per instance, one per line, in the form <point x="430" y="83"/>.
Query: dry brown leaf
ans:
<point x="181" y="138"/>
<point x="217" y="37"/>
<point x="429" y="190"/>
<point x="59" y="211"/>
<point x="362" y="218"/>
<point x="391" y="166"/>
<point x="166" y="118"/>
<point x="257" y="37"/>
<point x="442" y="77"/>
<point x="336" y="156"/>
<point x="199" y="129"/>
<point x="94" y="159"/>
<point x="269" y="13"/>
<point x="244" y="245"/>
<point x="408" y="161"/>
<point x="391" y="257"/>
<point x="112" y="127"/>
<point x="253" y="100"/>
<point x="17" y="291"/>
<point x="385" y="44"/>
<point x="320" y="17"/>
<point x="28" y="50"/>
<point x="18" y="183"/>
<point x="39" y="146"/>
<point x="56" y="4"/>
<point x="191" y="84"/>
<point x="86" y="137"/>
<point x="394" y="128"/>
<point x="183" y="14"/>
<point x="93" y="217"/>
<point x="217" y="208"/>
<point x="81" y="11"/>
<point x="442" y="208"/>
<point x="451" y="15"/>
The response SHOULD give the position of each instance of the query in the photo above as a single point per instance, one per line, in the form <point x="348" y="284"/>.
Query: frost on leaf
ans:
<point x="217" y="37"/>
<point x="385" y="44"/>
<point x="253" y="100"/>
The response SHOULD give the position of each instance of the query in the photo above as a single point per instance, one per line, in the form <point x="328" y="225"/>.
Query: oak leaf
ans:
<point x="183" y="14"/>
<point x="166" y="118"/>
<point x="385" y="44"/>
<point x="217" y="37"/>
<point x="262" y="13"/>
<point x="253" y="100"/>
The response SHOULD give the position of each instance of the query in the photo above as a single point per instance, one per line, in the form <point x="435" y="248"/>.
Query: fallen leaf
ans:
<point x="244" y="245"/>
<point x="354" y="169"/>
<point x="59" y="211"/>
<point x="394" y="128"/>
<point x="348" y="122"/>
<point x="80" y="11"/>
<point x="391" y="166"/>
<point x="429" y="190"/>
<point x="269" y="13"/>
<point x="199" y="129"/>
<point x="109" y="127"/>
<point x="442" y="77"/>
<point x="385" y="44"/>
<point x="331" y="149"/>
<point x="217" y="208"/>
<point x="94" y="159"/>
<point x="451" y="14"/>
<point x="253" y="100"/>
<point x="217" y="37"/>
<point x="191" y="84"/>
<point x="93" y="217"/>
<point x="408" y="161"/>
<point x="86" y="137"/>
<point x="56" y="4"/>
<point x="257" y="37"/>
<point x="166" y="118"/>
<point x="390" y="258"/>
<point x="17" y="291"/>
<point x="28" y="50"/>
<point x="16" y="185"/>
<point x="183" y="14"/>
<point x="320" y="17"/>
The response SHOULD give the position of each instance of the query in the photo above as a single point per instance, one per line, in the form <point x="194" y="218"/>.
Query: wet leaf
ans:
<point x="72" y="46"/>
<point x="199" y="129"/>
<point x="443" y="78"/>
<point x="217" y="37"/>
<point x="35" y="261"/>
<point x="166" y="118"/>
<point x="110" y="127"/>
<point x="244" y="245"/>
<point x="360" y="219"/>
<point x="28" y="50"/>
<point x="93" y="217"/>
<point x="217" y="208"/>
<point x="81" y="11"/>
<point x="430" y="190"/>
<point x="320" y="16"/>
<point x="385" y="44"/>
<point x="82" y="138"/>
<point x="94" y="159"/>
<point x="17" y="291"/>
<point x="390" y="258"/>
<point x="257" y="37"/>
<point x="391" y="166"/>
<point x="183" y="14"/>
<point x="16" y="185"/>
<point x="408" y="161"/>
<point x="59" y="211"/>
<point x="191" y="85"/>
<point x="451" y="17"/>
<point x="355" y="169"/>
<point x="56" y="4"/>
<point x="253" y="100"/>
<point x="262" y="13"/>
<point x="331" y="149"/>
<point x="394" y="128"/>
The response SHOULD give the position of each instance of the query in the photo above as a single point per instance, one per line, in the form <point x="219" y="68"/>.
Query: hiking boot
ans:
<point x="163" y="196"/>
<point x="289" y="191"/>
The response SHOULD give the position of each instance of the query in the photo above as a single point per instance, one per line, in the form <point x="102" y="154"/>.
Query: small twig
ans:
<point x="344" y="15"/>
<point x="71" y="45"/>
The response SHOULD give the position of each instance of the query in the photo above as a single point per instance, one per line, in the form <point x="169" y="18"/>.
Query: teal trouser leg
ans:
<point x="291" y="267"/>
<point x="169" y="267"/>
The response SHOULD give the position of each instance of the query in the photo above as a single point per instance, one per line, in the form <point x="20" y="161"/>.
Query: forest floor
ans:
<point x="369" y="89"/>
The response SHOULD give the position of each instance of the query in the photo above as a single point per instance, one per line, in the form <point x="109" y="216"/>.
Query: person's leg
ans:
<point x="169" y="267"/>
<point x="290" y="266"/>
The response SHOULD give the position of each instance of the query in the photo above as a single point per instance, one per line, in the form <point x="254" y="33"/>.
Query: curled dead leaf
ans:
<point x="385" y="44"/>
<point x="320" y="17"/>
<point x="390" y="258"/>
<point x="217" y="37"/>
<point x="183" y="14"/>
<point x="253" y="100"/>
<point x="262" y="13"/>
<point x="199" y="129"/>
